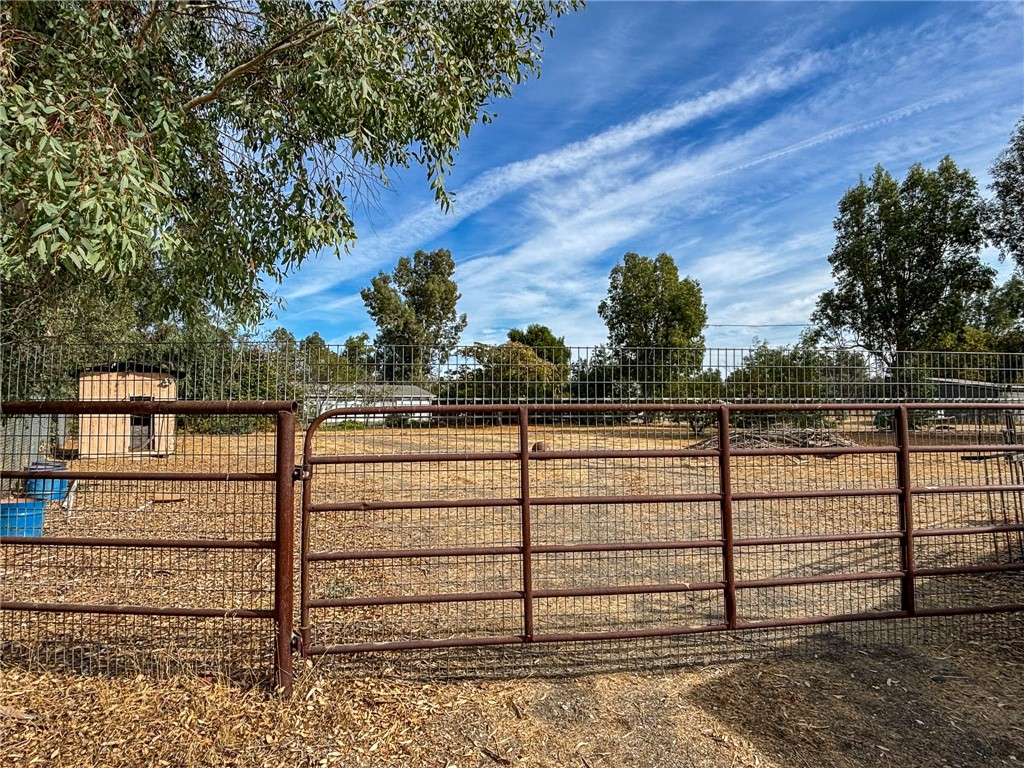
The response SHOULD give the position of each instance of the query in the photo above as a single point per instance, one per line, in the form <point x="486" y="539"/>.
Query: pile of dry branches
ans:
<point x="780" y="436"/>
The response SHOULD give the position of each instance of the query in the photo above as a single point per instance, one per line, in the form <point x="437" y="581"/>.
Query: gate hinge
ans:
<point x="300" y="473"/>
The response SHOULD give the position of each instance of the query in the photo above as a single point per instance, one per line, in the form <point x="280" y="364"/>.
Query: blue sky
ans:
<point x="721" y="133"/>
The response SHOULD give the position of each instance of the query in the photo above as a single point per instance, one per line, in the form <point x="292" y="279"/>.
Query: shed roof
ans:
<point x="387" y="391"/>
<point x="129" y="366"/>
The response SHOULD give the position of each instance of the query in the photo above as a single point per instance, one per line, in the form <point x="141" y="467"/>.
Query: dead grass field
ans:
<point x="846" y="695"/>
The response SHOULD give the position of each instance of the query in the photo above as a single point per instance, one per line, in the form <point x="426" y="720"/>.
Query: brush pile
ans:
<point x="780" y="436"/>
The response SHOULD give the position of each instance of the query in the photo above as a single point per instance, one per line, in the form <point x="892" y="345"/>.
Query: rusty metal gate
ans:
<point x="447" y="526"/>
<point x="154" y="560"/>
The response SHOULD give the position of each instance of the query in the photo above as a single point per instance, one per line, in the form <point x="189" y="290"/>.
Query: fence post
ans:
<point x="284" y="536"/>
<point x="906" y="512"/>
<point x="725" y="488"/>
<point x="524" y="490"/>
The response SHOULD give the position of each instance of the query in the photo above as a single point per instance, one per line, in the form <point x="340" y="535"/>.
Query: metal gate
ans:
<point x="447" y="526"/>
<point x="156" y="561"/>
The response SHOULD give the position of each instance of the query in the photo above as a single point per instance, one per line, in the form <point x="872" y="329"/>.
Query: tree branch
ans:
<point x="253" y="63"/>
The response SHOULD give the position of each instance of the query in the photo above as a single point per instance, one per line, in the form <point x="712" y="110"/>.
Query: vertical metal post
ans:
<point x="305" y="634"/>
<point x="284" y="536"/>
<point x="906" y="512"/>
<point x="527" y="543"/>
<point x="725" y="488"/>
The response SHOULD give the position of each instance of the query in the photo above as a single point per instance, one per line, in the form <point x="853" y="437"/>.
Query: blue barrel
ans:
<point x="21" y="516"/>
<point x="47" y="489"/>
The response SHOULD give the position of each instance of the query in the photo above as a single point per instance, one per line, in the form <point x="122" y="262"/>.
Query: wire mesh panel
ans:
<point x="119" y="557"/>
<point x="482" y="525"/>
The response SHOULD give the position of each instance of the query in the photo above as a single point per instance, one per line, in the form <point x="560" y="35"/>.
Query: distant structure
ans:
<point x="101" y="435"/>
<point x="325" y="398"/>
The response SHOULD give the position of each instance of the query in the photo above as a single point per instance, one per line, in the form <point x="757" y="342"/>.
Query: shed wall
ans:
<point x="110" y="435"/>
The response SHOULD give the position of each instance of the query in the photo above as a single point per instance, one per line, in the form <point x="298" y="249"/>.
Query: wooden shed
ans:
<point x="128" y="435"/>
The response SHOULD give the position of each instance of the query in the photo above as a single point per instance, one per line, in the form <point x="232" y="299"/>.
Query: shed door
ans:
<point x="141" y="437"/>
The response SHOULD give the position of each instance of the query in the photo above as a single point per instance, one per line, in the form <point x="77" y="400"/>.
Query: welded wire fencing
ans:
<point x="323" y="376"/>
<point x="455" y="526"/>
<point x="120" y="554"/>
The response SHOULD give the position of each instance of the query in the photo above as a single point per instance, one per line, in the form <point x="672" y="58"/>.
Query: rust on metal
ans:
<point x="532" y="596"/>
<point x="284" y="533"/>
<point x="526" y="538"/>
<point x="725" y="487"/>
<point x="908" y="601"/>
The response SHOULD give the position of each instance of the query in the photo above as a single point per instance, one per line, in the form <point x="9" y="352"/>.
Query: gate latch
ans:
<point x="300" y="473"/>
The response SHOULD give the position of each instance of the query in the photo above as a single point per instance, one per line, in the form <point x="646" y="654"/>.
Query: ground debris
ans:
<point x="780" y="436"/>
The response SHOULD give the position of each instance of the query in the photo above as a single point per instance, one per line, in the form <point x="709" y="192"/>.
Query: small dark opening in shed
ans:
<point x="142" y="427"/>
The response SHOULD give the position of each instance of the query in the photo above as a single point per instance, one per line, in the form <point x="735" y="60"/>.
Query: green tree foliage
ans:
<point x="1006" y="211"/>
<point x="507" y="373"/>
<point x="543" y="341"/>
<point x="206" y="148"/>
<point x="906" y="261"/>
<point x="414" y="309"/>
<point x="799" y="374"/>
<point x="655" y="322"/>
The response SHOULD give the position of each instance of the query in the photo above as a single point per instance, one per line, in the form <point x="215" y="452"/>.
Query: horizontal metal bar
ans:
<point x="971" y="610"/>
<point x="1001" y="448"/>
<point x="217" y="477"/>
<point x="680" y="453"/>
<point x="947" y="489"/>
<point x="463" y="642"/>
<point x="139" y="407"/>
<point x="751" y="407"/>
<point x="667" y="498"/>
<point x="385" y="554"/>
<point x="630" y="589"/>
<point x="637" y="546"/>
<point x="969" y="531"/>
<point x="452" y="597"/>
<point x="817" y="451"/>
<point x="407" y="458"/>
<point x="830" y="578"/>
<point x="395" y="554"/>
<point x="627" y="634"/>
<point x="831" y="493"/>
<point x="817" y="538"/>
<point x="970" y="570"/>
<point x="368" y="506"/>
<point x="412" y="645"/>
<point x="136" y="610"/>
<point x="97" y="541"/>
<point x="806" y="621"/>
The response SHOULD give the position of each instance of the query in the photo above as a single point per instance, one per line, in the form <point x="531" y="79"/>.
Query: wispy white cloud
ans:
<point x="739" y="183"/>
<point x="498" y="183"/>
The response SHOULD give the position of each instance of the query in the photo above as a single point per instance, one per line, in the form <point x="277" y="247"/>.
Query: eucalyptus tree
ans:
<point x="205" y="149"/>
<point x="415" y="311"/>
<point x="1006" y="210"/>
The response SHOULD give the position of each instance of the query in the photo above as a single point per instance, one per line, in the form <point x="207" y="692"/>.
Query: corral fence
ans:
<point x="494" y="525"/>
<point x="159" y="533"/>
<point x="121" y="557"/>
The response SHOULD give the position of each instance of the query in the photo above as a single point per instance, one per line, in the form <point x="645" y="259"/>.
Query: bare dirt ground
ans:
<point x="855" y="695"/>
<point x="961" y="706"/>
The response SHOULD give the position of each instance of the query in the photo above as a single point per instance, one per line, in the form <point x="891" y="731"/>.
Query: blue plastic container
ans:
<point x="47" y="489"/>
<point x="21" y="516"/>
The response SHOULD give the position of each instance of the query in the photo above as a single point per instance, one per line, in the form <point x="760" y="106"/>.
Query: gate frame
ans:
<point x="905" y="534"/>
<point x="284" y="514"/>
